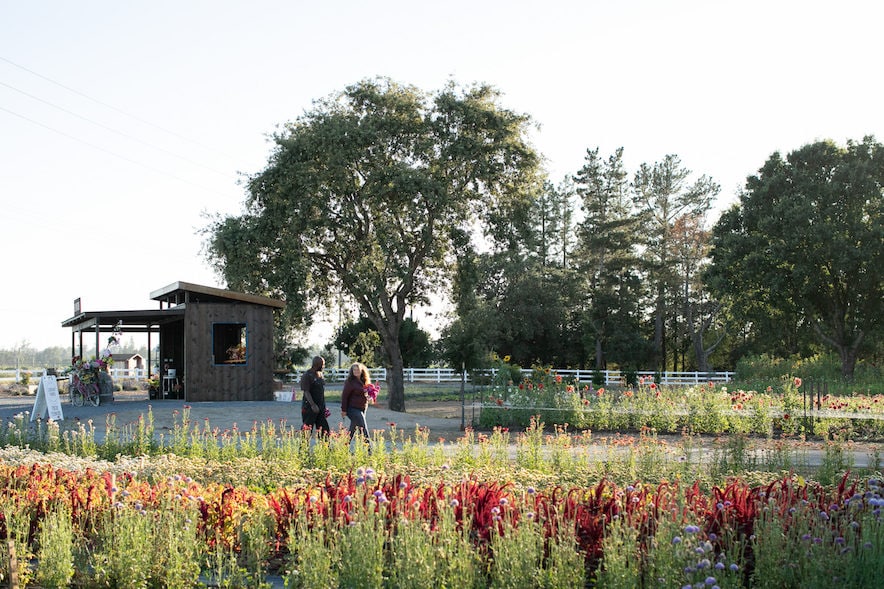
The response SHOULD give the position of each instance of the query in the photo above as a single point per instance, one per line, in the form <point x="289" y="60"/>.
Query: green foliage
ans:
<point x="608" y="260"/>
<point x="801" y="253"/>
<point x="365" y="348"/>
<point x="363" y="194"/>
<point x="55" y="558"/>
<point x="545" y="397"/>
<point x="756" y="371"/>
<point x="362" y="343"/>
<point x="120" y="559"/>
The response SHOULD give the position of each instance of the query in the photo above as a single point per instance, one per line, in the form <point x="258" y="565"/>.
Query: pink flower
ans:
<point x="372" y="390"/>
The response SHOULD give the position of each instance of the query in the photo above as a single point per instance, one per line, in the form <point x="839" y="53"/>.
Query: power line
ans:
<point x="114" y="108"/>
<point x="112" y="130"/>
<point x="109" y="152"/>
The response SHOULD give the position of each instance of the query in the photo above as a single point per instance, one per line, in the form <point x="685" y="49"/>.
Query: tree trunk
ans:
<point x="395" y="375"/>
<point x="659" y="333"/>
<point x="846" y="351"/>
<point x="848" y="361"/>
<point x="700" y="353"/>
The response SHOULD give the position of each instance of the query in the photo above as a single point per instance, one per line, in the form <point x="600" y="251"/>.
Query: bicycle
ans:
<point x="83" y="392"/>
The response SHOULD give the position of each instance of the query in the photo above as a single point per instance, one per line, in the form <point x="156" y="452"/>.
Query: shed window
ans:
<point x="229" y="343"/>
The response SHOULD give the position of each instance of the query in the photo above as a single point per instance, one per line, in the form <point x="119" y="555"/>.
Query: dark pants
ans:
<point x="315" y="420"/>
<point x="357" y="423"/>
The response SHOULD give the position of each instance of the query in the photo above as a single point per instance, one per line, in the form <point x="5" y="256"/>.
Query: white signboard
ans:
<point x="47" y="400"/>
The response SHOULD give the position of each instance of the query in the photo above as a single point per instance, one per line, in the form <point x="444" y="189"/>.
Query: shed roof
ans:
<point x="176" y="296"/>
<point x="183" y="292"/>
<point x="131" y="321"/>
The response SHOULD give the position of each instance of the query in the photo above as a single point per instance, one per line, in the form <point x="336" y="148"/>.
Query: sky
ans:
<point x="124" y="126"/>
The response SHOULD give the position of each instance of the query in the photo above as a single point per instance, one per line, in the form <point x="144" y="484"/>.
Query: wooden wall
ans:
<point x="205" y="381"/>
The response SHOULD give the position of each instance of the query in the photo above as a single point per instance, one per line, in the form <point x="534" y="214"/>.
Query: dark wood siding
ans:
<point x="207" y="381"/>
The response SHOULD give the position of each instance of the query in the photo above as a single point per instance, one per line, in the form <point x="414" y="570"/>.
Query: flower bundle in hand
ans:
<point x="371" y="391"/>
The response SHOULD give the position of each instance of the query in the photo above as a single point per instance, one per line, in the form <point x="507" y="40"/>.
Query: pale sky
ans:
<point x="121" y="123"/>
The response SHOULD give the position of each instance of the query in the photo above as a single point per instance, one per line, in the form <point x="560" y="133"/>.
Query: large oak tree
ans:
<point x="806" y="240"/>
<point x="363" y="194"/>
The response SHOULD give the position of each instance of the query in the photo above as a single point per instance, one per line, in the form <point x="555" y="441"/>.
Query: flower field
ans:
<point x="705" y="409"/>
<point x="273" y="506"/>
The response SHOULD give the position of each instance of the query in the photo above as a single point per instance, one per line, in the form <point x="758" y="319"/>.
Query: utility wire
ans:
<point x="107" y="151"/>
<point x="114" y="108"/>
<point x="112" y="130"/>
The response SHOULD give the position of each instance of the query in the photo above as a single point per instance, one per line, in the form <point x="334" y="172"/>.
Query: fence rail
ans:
<point x="11" y="376"/>
<point x="611" y="377"/>
<point x="443" y="375"/>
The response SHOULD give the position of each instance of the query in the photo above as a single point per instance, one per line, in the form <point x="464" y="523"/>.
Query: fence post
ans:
<point x="463" y="400"/>
<point x="804" y="405"/>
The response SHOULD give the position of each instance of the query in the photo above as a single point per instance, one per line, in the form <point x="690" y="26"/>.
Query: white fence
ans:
<point x="611" y="377"/>
<point x="443" y="375"/>
<point x="10" y="376"/>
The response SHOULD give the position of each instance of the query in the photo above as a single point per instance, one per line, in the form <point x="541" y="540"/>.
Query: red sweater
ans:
<point x="353" y="395"/>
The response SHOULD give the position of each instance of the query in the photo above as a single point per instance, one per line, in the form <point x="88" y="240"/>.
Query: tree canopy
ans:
<point x="803" y="247"/>
<point x="363" y="195"/>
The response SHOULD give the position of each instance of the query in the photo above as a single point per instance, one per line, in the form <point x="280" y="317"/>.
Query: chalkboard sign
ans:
<point x="47" y="400"/>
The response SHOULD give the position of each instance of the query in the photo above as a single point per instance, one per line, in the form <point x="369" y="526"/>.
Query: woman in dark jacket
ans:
<point x="313" y="410"/>
<point x="354" y="400"/>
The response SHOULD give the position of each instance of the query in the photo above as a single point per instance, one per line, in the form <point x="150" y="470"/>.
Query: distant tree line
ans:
<point x="24" y="355"/>
<point x="618" y="268"/>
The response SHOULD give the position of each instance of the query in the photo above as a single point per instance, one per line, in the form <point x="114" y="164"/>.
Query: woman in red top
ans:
<point x="354" y="400"/>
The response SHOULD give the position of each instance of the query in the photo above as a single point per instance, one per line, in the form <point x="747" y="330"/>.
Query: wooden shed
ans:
<point x="214" y="344"/>
<point x="128" y="361"/>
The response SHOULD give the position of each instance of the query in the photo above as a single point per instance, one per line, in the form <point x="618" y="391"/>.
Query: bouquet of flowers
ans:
<point x="371" y="391"/>
<point x="86" y="371"/>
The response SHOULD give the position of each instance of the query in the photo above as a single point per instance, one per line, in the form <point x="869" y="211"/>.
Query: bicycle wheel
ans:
<point x="77" y="399"/>
<point x="94" y="398"/>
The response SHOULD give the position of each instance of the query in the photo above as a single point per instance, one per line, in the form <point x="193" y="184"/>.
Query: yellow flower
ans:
<point x="506" y="359"/>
